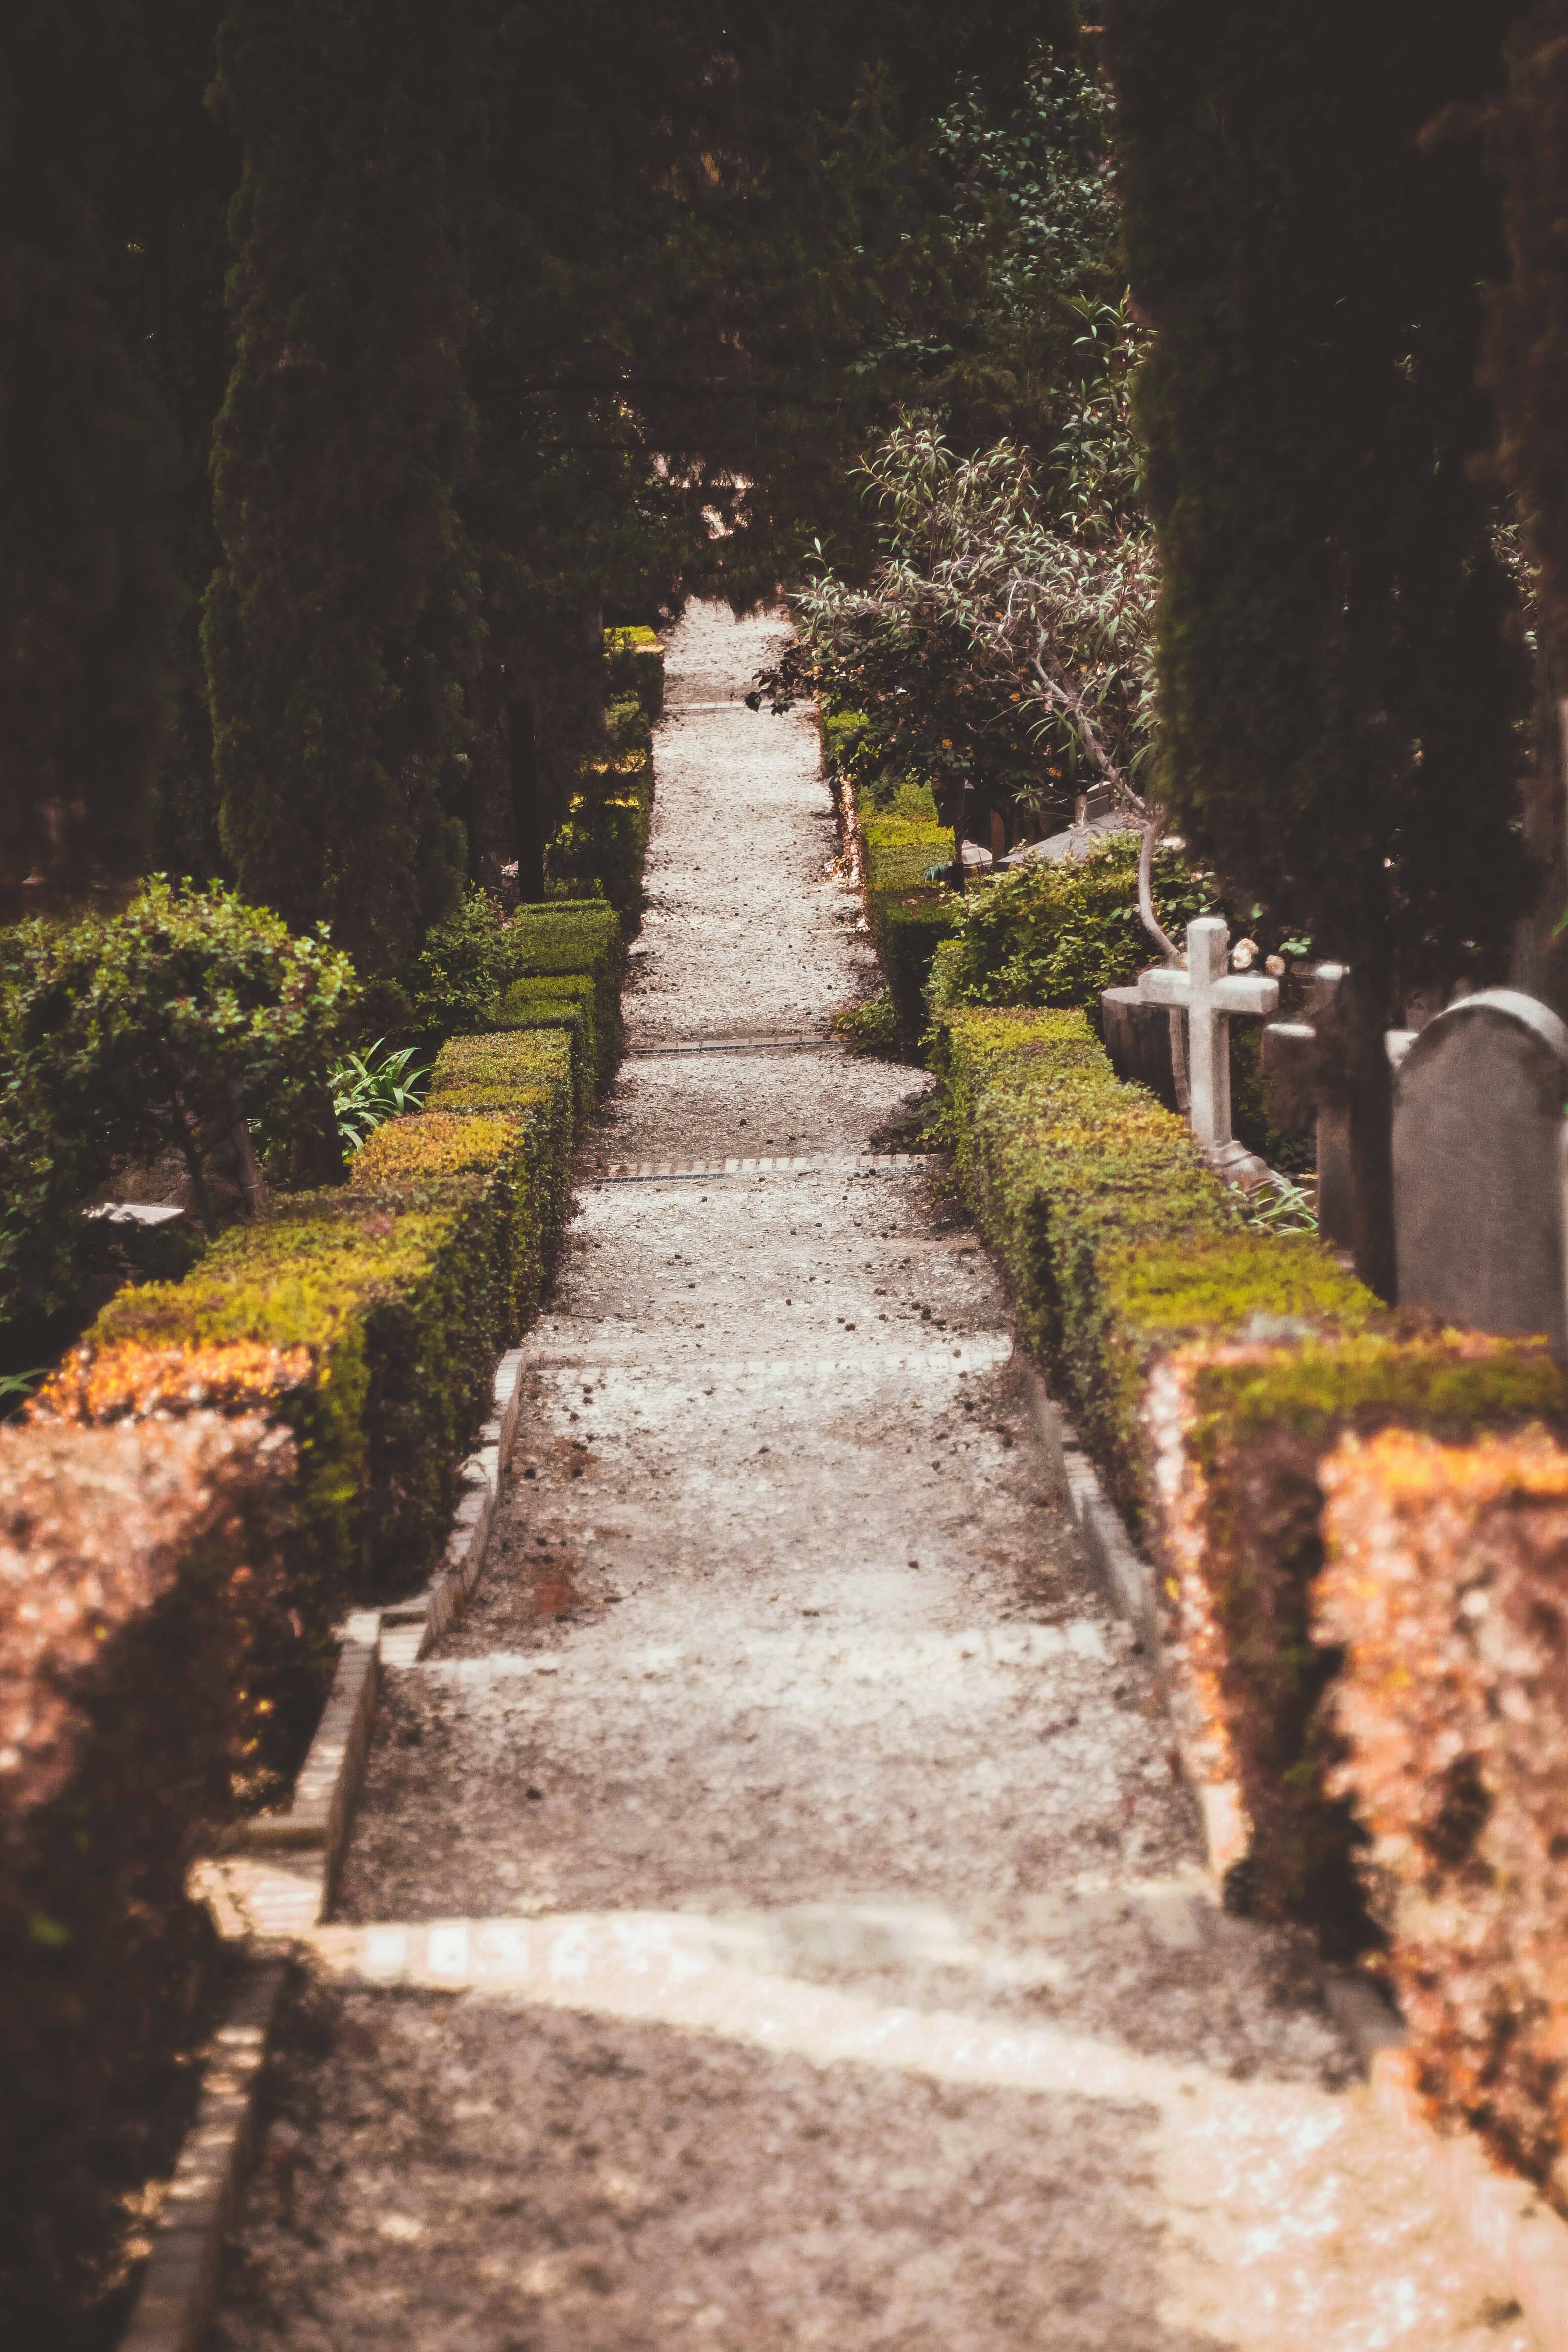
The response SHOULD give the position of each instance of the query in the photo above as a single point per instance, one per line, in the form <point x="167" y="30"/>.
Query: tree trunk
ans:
<point x="1539" y="964"/>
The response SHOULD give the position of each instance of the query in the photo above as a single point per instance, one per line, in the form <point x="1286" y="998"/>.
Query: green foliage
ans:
<point x="994" y="643"/>
<point x="1118" y="1241"/>
<point x="870" y="1028"/>
<point x="634" y="668"/>
<point x="1527" y="345"/>
<point x="1058" y="934"/>
<point x="567" y="1004"/>
<point x="86" y="591"/>
<point x="598" y="850"/>
<point x="344" y="619"/>
<point x="164" y="1028"/>
<point x="369" y="1087"/>
<point x="1338" y="699"/>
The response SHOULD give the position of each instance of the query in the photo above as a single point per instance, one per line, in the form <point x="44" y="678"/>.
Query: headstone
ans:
<point x="1137" y="1037"/>
<point x="1300" y="1057"/>
<point x="1479" y="1097"/>
<point x="1209" y="993"/>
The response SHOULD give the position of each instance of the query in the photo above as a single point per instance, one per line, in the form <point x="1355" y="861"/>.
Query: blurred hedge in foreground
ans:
<point x="1448" y="1590"/>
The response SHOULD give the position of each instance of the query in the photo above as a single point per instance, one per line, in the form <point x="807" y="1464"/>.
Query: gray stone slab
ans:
<point x="1478" y="1115"/>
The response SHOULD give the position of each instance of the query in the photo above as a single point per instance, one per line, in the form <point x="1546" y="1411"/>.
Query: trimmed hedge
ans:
<point x="368" y="1318"/>
<point x="1446" y="1589"/>
<point x="633" y="660"/>
<point x="569" y="937"/>
<point x="570" y="1004"/>
<point x="909" y="918"/>
<point x="162" y="1641"/>
<point x="1120" y="1243"/>
<point x="1242" y="1434"/>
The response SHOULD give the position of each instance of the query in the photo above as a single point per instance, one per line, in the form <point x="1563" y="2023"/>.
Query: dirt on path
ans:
<point x="773" y="1918"/>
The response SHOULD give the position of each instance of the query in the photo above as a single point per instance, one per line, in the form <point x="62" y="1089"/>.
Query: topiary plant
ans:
<point x="165" y="1028"/>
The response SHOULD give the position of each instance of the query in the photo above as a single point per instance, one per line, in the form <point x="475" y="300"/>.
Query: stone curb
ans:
<point x="1526" y="2241"/>
<point x="275" y="1882"/>
<point x="172" y="2310"/>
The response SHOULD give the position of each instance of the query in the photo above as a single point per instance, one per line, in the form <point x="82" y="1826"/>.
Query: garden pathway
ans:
<point x="772" y="1920"/>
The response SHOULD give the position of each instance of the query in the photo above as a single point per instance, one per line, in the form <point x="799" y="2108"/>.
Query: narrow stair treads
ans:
<point x="808" y="1044"/>
<point x="686" y="1171"/>
<point x="874" y="1360"/>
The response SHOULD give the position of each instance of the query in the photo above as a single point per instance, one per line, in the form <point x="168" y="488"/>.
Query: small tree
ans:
<point x="167" y="1027"/>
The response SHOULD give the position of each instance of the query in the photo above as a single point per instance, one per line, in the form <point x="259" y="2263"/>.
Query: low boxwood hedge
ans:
<point x="568" y="937"/>
<point x="368" y="1318"/>
<point x="1243" y="1432"/>
<point x="634" y="662"/>
<point x="162" y="1635"/>
<point x="910" y="918"/>
<point x="567" y="1002"/>
<point x="1119" y="1240"/>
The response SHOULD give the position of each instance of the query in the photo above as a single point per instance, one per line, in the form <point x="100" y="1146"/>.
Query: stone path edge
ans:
<point x="1504" y="2216"/>
<point x="179" y="2285"/>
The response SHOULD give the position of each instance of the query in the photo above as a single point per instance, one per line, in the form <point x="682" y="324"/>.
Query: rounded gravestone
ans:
<point x="1477" y="1189"/>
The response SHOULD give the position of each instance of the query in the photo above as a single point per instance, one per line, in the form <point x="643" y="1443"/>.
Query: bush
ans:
<point x="368" y="1317"/>
<point x="1058" y="934"/>
<point x="870" y="1028"/>
<point x="164" y="1028"/>
<point x="1446" y="1589"/>
<point x="467" y="967"/>
<point x="162" y="1647"/>
<point x="634" y="662"/>
<point x="1120" y="1243"/>
<point x="910" y="918"/>
<point x="1243" y="1432"/>
<point x="566" y="937"/>
<point x="569" y="1004"/>
<point x="600" y="849"/>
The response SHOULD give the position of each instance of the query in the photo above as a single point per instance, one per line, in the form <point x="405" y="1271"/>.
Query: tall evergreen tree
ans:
<point x="342" y="622"/>
<point x="1339" y="700"/>
<point x="86" y="458"/>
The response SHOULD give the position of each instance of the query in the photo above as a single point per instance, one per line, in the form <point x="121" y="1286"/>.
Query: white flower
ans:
<point x="1243" y="955"/>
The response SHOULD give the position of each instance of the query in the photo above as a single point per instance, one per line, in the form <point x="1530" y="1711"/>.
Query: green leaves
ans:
<point x="371" y="1087"/>
<point x="164" y="1029"/>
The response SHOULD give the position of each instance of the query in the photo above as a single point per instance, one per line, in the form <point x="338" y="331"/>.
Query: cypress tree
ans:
<point x="341" y="623"/>
<point x="1339" y="698"/>
<point x="85" y="458"/>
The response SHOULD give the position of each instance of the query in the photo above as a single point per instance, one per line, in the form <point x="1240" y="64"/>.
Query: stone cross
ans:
<point x="1300" y="1057"/>
<point x="1478" y="1188"/>
<point x="1208" y="991"/>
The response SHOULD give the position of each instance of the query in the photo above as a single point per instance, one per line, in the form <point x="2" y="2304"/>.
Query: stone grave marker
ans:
<point x="1209" y="993"/>
<point x="1300" y="1058"/>
<point x="1478" y="1188"/>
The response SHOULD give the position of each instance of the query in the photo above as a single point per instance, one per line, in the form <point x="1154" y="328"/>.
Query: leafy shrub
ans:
<point x="870" y="1028"/>
<point x="162" y="1647"/>
<point x="163" y="1028"/>
<point x="1058" y="934"/>
<point x="1445" y="1594"/>
<point x="379" y="1084"/>
<point x="468" y="966"/>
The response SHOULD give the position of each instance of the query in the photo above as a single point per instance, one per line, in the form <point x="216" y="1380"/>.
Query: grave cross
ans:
<point x="1208" y="991"/>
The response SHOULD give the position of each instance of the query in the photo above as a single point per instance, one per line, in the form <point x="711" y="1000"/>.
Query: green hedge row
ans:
<point x="388" y="1298"/>
<point x="1119" y="1240"/>
<point x="909" y="917"/>
<point x="634" y="663"/>
<point x="571" y="940"/>
<point x="1213" y="1370"/>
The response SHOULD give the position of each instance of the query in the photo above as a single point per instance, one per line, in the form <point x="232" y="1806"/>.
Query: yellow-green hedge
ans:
<point x="369" y="1316"/>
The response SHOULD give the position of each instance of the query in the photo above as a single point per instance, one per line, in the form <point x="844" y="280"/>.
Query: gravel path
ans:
<point x="772" y="1919"/>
